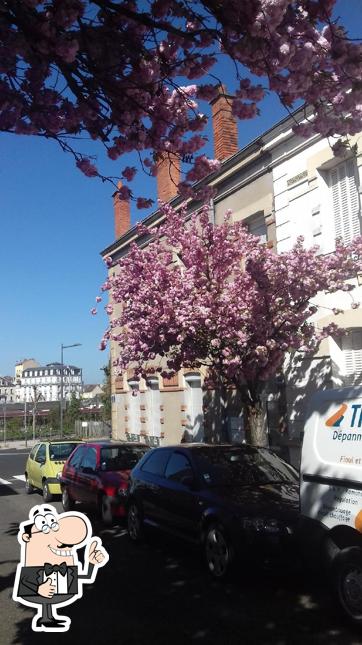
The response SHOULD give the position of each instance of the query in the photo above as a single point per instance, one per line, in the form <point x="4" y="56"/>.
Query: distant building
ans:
<point x="45" y="381"/>
<point x="22" y="365"/>
<point x="92" y="391"/>
<point x="7" y="389"/>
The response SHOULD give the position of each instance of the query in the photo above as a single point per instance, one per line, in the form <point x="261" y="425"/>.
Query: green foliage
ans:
<point x="106" y="412"/>
<point x="72" y="413"/>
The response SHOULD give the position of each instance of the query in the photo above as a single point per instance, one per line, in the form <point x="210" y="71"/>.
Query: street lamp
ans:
<point x="3" y="399"/>
<point x="62" y="347"/>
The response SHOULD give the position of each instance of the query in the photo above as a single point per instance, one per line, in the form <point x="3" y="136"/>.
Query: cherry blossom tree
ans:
<point x="119" y="72"/>
<point x="215" y="298"/>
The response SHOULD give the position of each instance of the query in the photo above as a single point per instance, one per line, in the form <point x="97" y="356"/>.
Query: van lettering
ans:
<point x="355" y="407"/>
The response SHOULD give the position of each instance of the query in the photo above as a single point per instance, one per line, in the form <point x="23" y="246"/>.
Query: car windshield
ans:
<point x="61" y="451"/>
<point x="242" y="466"/>
<point x="120" y="457"/>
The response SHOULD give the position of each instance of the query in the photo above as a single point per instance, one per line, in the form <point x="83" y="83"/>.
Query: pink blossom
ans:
<point x="88" y="169"/>
<point x="209" y="310"/>
<point x="129" y="173"/>
<point x="69" y="71"/>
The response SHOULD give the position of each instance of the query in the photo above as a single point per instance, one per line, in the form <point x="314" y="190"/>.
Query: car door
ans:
<point x="179" y="497"/>
<point x="87" y="477"/>
<point x="149" y="485"/>
<point x="71" y="472"/>
<point x="31" y="465"/>
<point x="38" y="466"/>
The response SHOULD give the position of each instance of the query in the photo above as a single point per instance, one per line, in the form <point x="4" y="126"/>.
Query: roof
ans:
<point x="50" y="366"/>
<point x="233" y="160"/>
<point x="196" y="446"/>
<point x="89" y="388"/>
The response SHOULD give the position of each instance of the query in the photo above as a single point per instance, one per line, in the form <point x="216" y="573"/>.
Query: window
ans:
<point x="60" y="451"/>
<point x="90" y="459"/>
<point x="119" y="458"/>
<point x="33" y="451"/>
<point x="352" y="351"/>
<point x="242" y="467"/>
<point x="342" y="181"/>
<point x="77" y="457"/>
<point x="256" y="226"/>
<point x="194" y="403"/>
<point x="156" y="462"/>
<point x="178" y="468"/>
<point x="41" y="454"/>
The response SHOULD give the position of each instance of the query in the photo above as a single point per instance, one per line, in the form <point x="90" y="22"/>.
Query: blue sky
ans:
<point x="54" y="223"/>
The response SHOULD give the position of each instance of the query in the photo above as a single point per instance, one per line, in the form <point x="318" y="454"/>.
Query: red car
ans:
<point x="97" y="473"/>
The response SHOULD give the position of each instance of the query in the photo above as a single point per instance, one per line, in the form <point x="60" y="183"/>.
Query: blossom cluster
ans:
<point x="112" y="69"/>
<point x="215" y="296"/>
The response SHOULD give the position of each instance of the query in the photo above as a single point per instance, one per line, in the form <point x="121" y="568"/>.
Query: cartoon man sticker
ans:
<point x="49" y="573"/>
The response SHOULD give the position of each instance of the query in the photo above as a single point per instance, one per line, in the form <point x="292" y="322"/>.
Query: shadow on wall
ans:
<point x="304" y="377"/>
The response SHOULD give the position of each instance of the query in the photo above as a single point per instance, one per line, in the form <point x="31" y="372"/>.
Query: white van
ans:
<point x="331" y="491"/>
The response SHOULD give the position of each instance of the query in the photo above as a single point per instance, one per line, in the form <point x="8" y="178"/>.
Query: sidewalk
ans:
<point x="18" y="444"/>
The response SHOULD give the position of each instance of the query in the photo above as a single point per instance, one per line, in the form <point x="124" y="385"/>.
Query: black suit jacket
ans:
<point x="32" y="577"/>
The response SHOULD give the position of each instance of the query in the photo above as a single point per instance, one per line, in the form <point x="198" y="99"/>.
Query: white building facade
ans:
<point x="45" y="383"/>
<point x="317" y="195"/>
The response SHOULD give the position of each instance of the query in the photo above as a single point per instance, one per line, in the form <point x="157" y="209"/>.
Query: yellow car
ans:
<point x="44" y="463"/>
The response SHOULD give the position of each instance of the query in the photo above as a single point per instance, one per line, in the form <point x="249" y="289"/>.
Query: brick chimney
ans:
<point x="122" y="214"/>
<point x="224" y="125"/>
<point x="168" y="176"/>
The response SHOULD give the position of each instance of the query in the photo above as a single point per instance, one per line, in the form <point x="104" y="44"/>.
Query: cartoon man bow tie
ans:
<point x="49" y="572"/>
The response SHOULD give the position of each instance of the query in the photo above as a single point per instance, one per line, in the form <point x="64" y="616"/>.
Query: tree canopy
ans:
<point x="131" y="73"/>
<point x="215" y="297"/>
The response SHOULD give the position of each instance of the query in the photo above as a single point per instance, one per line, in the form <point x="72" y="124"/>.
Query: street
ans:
<point x="159" y="592"/>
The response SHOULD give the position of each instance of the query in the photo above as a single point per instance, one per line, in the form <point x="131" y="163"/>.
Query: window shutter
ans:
<point x="256" y="226"/>
<point x="345" y="201"/>
<point x="352" y="350"/>
<point x="171" y="382"/>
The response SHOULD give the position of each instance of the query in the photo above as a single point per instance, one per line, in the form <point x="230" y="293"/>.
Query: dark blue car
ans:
<point x="233" y="500"/>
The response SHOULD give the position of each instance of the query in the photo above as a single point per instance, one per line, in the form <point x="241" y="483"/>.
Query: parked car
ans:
<point x="97" y="474"/>
<point x="44" y="464"/>
<point x="233" y="500"/>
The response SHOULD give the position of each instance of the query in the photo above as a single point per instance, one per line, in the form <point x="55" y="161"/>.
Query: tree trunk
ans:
<point x="224" y="415"/>
<point x="256" y="424"/>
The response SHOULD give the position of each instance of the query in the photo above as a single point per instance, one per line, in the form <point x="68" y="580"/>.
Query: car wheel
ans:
<point x="67" y="502"/>
<point x="47" y="495"/>
<point x="134" y="522"/>
<point x="29" y="489"/>
<point x="106" y="510"/>
<point x="347" y="578"/>
<point x="218" y="551"/>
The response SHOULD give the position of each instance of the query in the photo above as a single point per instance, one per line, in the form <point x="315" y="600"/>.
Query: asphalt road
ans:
<point x="159" y="593"/>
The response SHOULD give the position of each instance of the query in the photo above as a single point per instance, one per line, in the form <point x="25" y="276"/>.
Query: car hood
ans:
<point x="267" y="500"/>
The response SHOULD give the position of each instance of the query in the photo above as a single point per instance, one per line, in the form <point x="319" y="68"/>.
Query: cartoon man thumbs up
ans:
<point x="49" y="572"/>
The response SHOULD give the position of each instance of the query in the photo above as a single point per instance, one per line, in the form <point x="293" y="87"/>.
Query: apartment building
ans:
<point x="281" y="186"/>
<point x="45" y="382"/>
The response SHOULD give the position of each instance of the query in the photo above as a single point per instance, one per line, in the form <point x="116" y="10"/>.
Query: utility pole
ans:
<point x="36" y="398"/>
<point x="34" y="411"/>
<point x="62" y="347"/>
<point x="3" y="398"/>
<point x="25" y="426"/>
